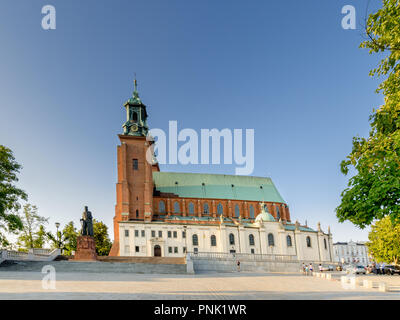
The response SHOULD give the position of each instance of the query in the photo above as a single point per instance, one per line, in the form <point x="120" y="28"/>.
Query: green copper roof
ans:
<point x="135" y="96"/>
<point x="217" y="186"/>
<point x="265" y="216"/>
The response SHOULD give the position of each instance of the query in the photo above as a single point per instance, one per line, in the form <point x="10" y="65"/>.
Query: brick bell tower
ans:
<point x="135" y="165"/>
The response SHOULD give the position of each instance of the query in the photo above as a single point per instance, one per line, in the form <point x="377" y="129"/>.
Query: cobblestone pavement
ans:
<point x="28" y="285"/>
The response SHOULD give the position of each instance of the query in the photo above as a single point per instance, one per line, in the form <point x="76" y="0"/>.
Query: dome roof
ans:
<point x="265" y="216"/>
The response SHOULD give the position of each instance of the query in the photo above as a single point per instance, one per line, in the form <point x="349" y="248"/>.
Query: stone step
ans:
<point x="95" y="267"/>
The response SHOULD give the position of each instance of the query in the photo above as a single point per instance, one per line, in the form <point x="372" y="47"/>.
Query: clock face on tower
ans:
<point x="134" y="128"/>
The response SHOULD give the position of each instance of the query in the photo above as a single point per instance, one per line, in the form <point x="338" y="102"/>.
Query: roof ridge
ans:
<point x="212" y="174"/>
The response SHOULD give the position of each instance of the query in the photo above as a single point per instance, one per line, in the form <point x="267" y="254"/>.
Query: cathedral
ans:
<point x="170" y="214"/>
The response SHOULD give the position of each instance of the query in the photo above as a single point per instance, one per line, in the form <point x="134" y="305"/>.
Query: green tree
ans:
<point x="40" y="238"/>
<point x="65" y="239"/>
<point x="103" y="242"/>
<point x="31" y="235"/>
<point x="70" y="235"/>
<point x="10" y="195"/>
<point x="384" y="241"/>
<point x="374" y="191"/>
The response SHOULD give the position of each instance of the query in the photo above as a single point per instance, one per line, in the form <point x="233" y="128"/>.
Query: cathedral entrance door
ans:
<point x="157" y="251"/>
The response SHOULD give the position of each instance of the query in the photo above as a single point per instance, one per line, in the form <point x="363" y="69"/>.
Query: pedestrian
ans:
<point x="311" y="268"/>
<point x="238" y="265"/>
<point x="320" y="268"/>
<point x="306" y="270"/>
<point x="303" y="268"/>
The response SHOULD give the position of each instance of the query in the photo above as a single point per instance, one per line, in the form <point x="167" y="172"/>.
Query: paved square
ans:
<point x="28" y="285"/>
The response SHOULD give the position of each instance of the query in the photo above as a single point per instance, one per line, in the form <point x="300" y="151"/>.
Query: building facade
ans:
<point x="351" y="253"/>
<point x="170" y="214"/>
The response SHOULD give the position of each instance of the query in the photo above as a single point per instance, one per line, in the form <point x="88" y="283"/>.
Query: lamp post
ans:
<point x="58" y="238"/>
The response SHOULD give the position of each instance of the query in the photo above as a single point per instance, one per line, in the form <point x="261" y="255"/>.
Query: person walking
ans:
<point x="238" y="266"/>
<point x="311" y="269"/>
<point x="320" y="268"/>
<point x="303" y="268"/>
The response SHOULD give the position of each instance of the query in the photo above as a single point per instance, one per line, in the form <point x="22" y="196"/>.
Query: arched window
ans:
<point x="289" y="241"/>
<point x="326" y="247"/>
<point x="134" y="117"/>
<point x="206" y="209"/>
<point x="251" y="212"/>
<point x="308" y="240"/>
<point x="251" y="240"/>
<point x="161" y="207"/>
<point x="213" y="241"/>
<point x="237" y="211"/>
<point x="231" y="239"/>
<point x="220" y="209"/>
<point x="177" y="208"/>
<point x="191" y="208"/>
<point x="137" y="213"/>
<point x="278" y="214"/>
<point x="195" y="240"/>
<point x="271" y="240"/>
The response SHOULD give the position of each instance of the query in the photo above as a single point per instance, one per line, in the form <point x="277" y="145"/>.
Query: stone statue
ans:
<point x="87" y="223"/>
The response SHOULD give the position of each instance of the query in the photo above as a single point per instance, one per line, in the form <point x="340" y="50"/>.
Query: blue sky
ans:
<point x="286" y="69"/>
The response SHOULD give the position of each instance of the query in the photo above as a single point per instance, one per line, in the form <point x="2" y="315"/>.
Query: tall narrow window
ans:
<point x="135" y="164"/>
<point x="177" y="208"/>
<point x="278" y="214"/>
<point x="325" y="246"/>
<point x="220" y="209"/>
<point x="137" y="213"/>
<point x="251" y="212"/>
<point x="213" y="241"/>
<point x="237" y="211"/>
<point x="191" y="208"/>
<point x="206" y="209"/>
<point x="289" y="241"/>
<point x="271" y="242"/>
<point x="251" y="240"/>
<point x="195" y="240"/>
<point x="231" y="239"/>
<point x="161" y="207"/>
<point x="308" y="240"/>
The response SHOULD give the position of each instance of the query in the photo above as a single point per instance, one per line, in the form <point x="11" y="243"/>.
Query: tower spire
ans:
<point x="136" y="114"/>
<point x="135" y="92"/>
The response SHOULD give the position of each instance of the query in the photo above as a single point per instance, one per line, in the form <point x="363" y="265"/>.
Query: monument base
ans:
<point x="85" y="249"/>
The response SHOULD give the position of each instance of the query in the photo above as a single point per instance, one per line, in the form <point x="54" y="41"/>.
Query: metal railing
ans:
<point x="241" y="256"/>
<point x="31" y="255"/>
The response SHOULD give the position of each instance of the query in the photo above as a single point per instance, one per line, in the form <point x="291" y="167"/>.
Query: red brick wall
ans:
<point x="228" y="207"/>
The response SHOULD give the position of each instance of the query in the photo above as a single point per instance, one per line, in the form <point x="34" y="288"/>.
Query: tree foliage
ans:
<point x="32" y="234"/>
<point x="103" y="242"/>
<point x="65" y="239"/>
<point x="10" y="195"/>
<point x="384" y="241"/>
<point x="374" y="191"/>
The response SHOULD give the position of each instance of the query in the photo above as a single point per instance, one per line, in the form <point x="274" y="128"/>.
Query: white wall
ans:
<point x="316" y="252"/>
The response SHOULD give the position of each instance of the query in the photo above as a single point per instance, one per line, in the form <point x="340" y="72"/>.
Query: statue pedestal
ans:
<point x="85" y="249"/>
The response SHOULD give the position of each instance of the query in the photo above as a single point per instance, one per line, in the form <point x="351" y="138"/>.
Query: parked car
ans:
<point x="355" y="269"/>
<point x="392" y="269"/>
<point x="360" y="269"/>
<point x="327" y="268"/>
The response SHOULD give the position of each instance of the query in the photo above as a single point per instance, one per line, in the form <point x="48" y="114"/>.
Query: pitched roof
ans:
<point x="217" y="186"/>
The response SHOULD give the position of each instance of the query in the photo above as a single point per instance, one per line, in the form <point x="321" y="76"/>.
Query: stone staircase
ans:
<point x="95" y="267"/>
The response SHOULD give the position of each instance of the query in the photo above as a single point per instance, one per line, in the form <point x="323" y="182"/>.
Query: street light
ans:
<point x="58" y="238"/>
